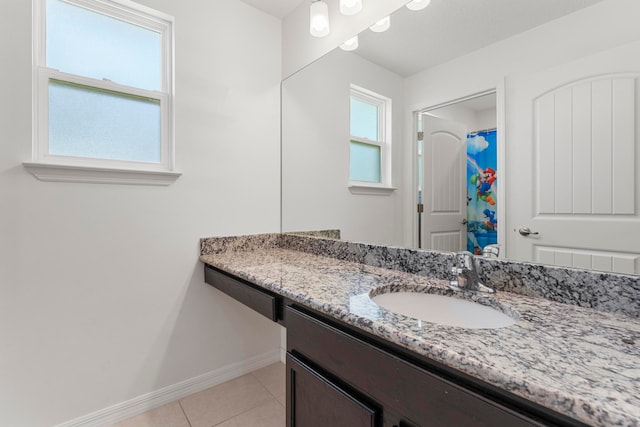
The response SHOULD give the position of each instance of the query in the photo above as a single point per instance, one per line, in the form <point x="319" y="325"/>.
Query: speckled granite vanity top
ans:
<point x="577" y="361"/>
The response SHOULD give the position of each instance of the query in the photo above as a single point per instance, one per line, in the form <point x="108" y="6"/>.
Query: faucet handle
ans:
<point x="466" y="269"/>
<point x="466" y="260"/>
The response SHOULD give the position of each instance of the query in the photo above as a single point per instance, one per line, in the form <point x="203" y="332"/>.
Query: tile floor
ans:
<point x="253" y="400"/>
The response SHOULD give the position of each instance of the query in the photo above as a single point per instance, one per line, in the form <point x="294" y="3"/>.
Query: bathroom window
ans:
<point x="103" y="87"/>
<point x="370" y="142"/>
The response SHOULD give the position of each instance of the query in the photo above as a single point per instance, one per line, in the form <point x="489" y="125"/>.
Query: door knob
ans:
<point x="526" y="232"/>
<point x="464" y="221"/>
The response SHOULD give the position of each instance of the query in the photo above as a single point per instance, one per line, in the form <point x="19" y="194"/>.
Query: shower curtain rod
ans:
<point x="483" y="130"/>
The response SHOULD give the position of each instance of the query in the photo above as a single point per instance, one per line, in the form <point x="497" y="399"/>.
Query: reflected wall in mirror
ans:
<point x="565" y="77"/>
<point x="316" y="151"/>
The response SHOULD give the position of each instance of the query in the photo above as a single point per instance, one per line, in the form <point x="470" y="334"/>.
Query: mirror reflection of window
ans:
<point x="369" y="141"/>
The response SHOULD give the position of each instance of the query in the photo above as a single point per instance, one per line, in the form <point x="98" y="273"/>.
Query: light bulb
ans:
<point x="381" y="25"/>
<point x="350" y="7"/>
<point x="418" y="4"/>
<point x="351" y="44"/>
<point x="319" y="19"/>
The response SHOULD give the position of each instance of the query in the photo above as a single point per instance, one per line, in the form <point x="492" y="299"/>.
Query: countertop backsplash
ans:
<point x="220" y="245"/>
<point x="608" y="292"/>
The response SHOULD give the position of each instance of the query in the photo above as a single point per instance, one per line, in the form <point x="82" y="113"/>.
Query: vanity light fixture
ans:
<point x="381" y="25"/>
<point x="351" y="44"/>
<point x="350" y="7"/>
<point x="418" y="4"/>
<point x="319" y="18"/>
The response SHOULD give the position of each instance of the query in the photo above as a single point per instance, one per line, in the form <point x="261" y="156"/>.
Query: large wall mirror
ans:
<point x="469" y="124"/>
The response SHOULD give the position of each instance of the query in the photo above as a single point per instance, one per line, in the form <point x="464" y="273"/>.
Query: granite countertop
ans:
<point x="576" y="361"/>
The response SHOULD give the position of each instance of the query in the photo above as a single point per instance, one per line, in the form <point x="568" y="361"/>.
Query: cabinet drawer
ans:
<point x="260" y="301"/>
<point x="422" y="397"/>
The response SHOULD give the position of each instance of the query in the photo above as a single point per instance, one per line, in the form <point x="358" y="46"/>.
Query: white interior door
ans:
<point x="573" y="159"/>
<point x="444" y="177"/>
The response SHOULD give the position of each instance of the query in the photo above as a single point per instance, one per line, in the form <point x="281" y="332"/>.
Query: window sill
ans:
<point x="98" y="175"/>
<point x="371" y="190"/>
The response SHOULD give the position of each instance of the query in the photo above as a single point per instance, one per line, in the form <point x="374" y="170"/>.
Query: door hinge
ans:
<point x="420" y="208"/>
<point x="420" y="136"/>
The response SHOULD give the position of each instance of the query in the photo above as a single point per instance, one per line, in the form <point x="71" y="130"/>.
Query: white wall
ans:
<point x="474" y="120"/>
<point x="299" y="48"/>
<point x="101" y="292"/>
<point x="486" y="119"/>
<point x="608" y="23"/>
<point x="315" y="151"/>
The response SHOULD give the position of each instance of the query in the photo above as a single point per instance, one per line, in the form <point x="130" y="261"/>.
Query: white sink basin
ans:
<point x="444" y="310"/>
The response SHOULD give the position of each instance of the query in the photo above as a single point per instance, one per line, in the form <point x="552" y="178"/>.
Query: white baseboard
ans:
<point x="146" y="402"/>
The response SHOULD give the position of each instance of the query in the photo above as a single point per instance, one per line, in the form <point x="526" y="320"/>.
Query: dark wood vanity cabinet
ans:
<point x="332" y="374"/>
<point x="339" y="376"/>
<point x="260" y="300"/>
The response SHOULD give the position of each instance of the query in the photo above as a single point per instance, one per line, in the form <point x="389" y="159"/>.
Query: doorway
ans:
<point x="457" y="174"/>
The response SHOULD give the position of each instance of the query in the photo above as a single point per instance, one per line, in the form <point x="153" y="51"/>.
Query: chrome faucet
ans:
<point x="467" y="271"/>
<point x="491" y="251"/>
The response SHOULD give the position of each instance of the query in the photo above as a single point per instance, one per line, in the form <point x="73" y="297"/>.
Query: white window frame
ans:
<point x="384" y="133"/>
<point x="50" y="167"/>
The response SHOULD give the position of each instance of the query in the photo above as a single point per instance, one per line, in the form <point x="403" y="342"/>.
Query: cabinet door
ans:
<point x="314" y="401"/>
<point x="397" y="385"/>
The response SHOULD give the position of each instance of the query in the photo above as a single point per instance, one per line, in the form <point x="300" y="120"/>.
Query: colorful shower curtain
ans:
<point x="482" y="202"/>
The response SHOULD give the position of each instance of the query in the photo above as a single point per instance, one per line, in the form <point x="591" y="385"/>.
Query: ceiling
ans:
<point x="448" y="29"/>
<point x="277" y="8"/>
<point x="444" y="30"/>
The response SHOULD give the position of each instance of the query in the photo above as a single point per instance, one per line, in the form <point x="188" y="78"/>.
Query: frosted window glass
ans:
<point x="364" y="162"/>
<point x="93" y="45"/>
<point x="364" y="119"/>
<point x="86" y="122"/>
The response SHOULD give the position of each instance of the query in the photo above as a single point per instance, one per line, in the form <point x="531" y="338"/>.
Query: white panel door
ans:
<point x="573" y="158"/>
<point x="444" y="176"/>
